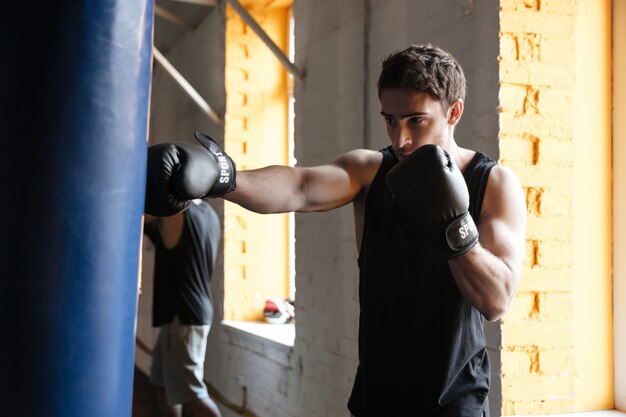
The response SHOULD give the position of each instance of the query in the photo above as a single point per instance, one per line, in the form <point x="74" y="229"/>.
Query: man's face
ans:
<point x="414" y="119"/>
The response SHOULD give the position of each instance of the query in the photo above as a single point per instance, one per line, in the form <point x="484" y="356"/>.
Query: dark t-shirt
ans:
<point x="182" y="274"/>
<point x="422" y="349"/>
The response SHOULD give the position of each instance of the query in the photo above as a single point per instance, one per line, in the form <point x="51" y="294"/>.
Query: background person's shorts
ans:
<point x="178" y="361"/>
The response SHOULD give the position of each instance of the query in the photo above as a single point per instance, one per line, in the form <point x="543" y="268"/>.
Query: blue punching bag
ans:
<point x="74" y="94"/>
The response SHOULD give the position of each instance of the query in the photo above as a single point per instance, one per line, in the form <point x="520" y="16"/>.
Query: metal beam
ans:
<point x="247" y="17"/>
<point x="165" y="14"/>
<point x="184" y="84"/>
<point x="211" y="3"/>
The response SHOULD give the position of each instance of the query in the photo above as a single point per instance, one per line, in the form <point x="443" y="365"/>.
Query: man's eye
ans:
<point x="415" y="120"/>
<point x="390" y="121"/>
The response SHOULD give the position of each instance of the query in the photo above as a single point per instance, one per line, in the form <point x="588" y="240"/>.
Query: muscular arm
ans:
<point x="489" y="274"/>
<point x="280" y="189"/>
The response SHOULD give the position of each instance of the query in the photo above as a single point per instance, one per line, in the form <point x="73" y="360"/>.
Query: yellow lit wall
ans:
<point x="619" y="201"/>
<point x="592" y="319"/>
<point x="256" y="256"/>
<point x="555" y="106"/>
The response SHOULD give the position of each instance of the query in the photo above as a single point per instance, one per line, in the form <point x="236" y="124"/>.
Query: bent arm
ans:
<point x="280" y="189"/>
<point x="488" y="275"/>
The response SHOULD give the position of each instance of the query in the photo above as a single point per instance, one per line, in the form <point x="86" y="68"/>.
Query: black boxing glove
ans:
<point x="431" y="189"/>
<point x="180" y="172"/>
<point x="227" y="168"/>
<point x="177" y="173"/>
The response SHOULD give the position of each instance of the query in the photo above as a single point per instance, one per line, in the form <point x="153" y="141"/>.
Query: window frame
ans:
<point x="619" y="202"/>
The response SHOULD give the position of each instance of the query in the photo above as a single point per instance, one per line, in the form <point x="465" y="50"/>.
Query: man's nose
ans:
<point x="403" y="138"/>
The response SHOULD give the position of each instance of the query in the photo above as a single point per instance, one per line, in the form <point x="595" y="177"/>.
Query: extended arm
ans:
<point x="180" y="172"/>
<point x="277" y="189"/>
<point x="488" y="275"/>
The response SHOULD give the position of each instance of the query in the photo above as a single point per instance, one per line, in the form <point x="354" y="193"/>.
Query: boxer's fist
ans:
<point x="431" y="189"/>
<point x="180" y="172"/>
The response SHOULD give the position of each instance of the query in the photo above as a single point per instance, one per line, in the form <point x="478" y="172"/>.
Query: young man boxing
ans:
<point x="440" y="234"/>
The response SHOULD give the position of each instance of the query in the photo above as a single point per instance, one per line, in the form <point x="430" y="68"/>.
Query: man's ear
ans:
<point x="455" y="111"/>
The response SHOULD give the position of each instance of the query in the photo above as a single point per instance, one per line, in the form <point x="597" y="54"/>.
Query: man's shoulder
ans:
<point x="360" y="158"/>
<point x="504" y="191"/>
<point x="361" y="164"/>
<point x="502" y="176"/>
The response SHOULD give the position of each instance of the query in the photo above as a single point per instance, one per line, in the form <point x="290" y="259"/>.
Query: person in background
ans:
<point x="185" y="254"/>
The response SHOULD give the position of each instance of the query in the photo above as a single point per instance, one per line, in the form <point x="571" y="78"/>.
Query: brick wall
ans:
<point x="537" y="53"/>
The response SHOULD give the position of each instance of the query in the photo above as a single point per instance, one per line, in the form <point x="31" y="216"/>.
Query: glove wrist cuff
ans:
<point x="226" y="179"/>
<point x="227" y="170"/>
<point x="461" y="236"/>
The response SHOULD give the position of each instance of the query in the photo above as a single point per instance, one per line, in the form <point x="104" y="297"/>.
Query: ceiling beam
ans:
<point x="247" y="17"/>
<point x="166" y="15"/>
<point x="211" y="3"/>
<point x="186" y="86"/>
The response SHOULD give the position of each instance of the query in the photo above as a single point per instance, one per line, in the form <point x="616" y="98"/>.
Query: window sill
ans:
<point x="283" y="334"/>
<point x="604" y="413"/>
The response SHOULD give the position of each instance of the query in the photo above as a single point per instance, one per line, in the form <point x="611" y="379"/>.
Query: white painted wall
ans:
<point x="340" y="44"/>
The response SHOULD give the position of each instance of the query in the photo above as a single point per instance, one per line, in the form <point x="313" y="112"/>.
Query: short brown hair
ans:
<point x="424" y="68"/>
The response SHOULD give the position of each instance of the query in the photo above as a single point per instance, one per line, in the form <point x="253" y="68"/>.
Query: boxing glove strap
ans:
<point x="461" y="235"/>
<point x="227" y="170"/>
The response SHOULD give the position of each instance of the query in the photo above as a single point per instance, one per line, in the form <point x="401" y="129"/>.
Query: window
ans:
<point x="259" y="249"/>
<point x="591" y="207"/>
<point x="619" y="201"/>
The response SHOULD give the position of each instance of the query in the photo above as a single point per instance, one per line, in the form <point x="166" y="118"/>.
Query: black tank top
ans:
<point x="182" y="275"/>
<point x="422" y="349"/>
